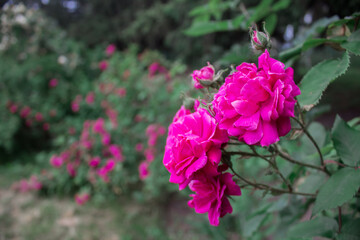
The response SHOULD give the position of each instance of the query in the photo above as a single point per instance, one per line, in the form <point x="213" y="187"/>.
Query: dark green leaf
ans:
<point x="346" y="142"/>
<point x="321" y="226"/>
<point x="350" y="231"/>
<point x="318" y="78"/>
<point x="339" y="189"/>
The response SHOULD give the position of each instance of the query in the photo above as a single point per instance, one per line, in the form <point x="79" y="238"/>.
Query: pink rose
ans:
<point x="34" y="183"/>
<point x="71" y="169"/>
<point x="39" y="117"/>
<point x="211" y="195"/>
<point x="90" y="98"/>
<point x="121" y="92"/>
<point x="105" y="139"/>
<point x="25" y="111"/>
<point x="103" y="65"/>
<point x="46" y="126"/>
<point x="149" y="154"/>
<point x="98" y="126"/>
<point x="116" y="152"/>
<point x="94" y="162"/>
<point x="205" y="74"/>
<point x="53" y="83"/>
<point x="143" y="170"/>
<point x="139" y="147"/>
<point x="81" y="199"/>
<point x="110" y="49"/>
<point x="13" y="108"/>
<point x="193" y="145"/>
<point x="56" y="161"/>
<point x="255" y="104"/>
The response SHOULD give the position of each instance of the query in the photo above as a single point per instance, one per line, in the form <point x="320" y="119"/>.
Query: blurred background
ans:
<point x="89" y="87"/>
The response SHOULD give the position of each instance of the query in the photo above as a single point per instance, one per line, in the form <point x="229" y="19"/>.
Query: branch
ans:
<point x="315" y="144"/>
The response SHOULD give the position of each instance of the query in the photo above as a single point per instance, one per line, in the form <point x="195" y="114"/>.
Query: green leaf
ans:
<point x="353" y="43"/>
<point x="318" y="78"/>
<point x="321" y="226"/>
<point x="346" y="142"/>
<point x="270" y="22"/>
<point x="312" y="183"/>
<point x="350" y="231"/>
<point x="339" y="189"/>
<point x="202" y="28"/>
<point x="261" y="10"/>
<point x="282" y="4"/>
<point x="252" y="225"/>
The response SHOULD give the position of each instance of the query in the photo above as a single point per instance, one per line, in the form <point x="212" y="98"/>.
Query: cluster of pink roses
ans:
<point x="192" y="156"/>
<point x="25" y="113"/>
<point x="254" y="104"/>
<point x="153" y="131"/>
<point x="109" y="51"/>
<point x="26" y="185"/>
<point x="83" y="151"/>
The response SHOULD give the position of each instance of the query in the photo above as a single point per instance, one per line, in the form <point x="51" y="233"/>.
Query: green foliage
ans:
<point x="346" y="142"/>
<point x="339" y="189"/>
<point x="318" y="78"/>
<point x="321" y="226"/>
<point x="353" y="43"/>
<point x="350" y="231"/>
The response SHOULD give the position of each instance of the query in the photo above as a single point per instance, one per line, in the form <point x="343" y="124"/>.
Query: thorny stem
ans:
<point x="315" y="144"/>
<point x="269" y="188"/>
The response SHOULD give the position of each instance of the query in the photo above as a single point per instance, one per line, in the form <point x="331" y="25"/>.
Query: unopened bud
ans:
<point x="260" y="40"/>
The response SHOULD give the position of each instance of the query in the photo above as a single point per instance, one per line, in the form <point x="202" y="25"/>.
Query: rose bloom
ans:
<point x="139" y="147"/>
<point x="56" y="161"/>
<point x="103" y="65"/>
<point x="110" y="49"/>
<point x="211" y="195"/>
<point x="39" y="117"/>
<point x="90" y="98"/>
<point x="25" y="111"/>
<point x="81" y="199"/>
<point x="206" y="74"/>
<point x="144" y="170"/>
<point x="121" y="92"/>
<point x="94" y="162"/>
<point x="255" y="104"/>
<point x="116" y="152"/>
<point x="53" y="83"/>
<point x="193" y="144"/>
<point x="71" y="169"/>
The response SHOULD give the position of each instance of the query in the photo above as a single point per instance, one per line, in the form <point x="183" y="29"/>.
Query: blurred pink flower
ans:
<point x="71" y="169"/>
<point x="110" y="49"/>
<point x="144" y="170"/>
<point x="90" y="98"/>
<point x="53" y="83"/>
<point x="39" y="117"/>
<point x="94" y="162"/>
<point x="56" y="161"/>
<point x="121" y="92"/>
<point x="98" y="126"/>
<point x="103" y="65"/>
<point x="81" y="199"/>
<point x="25" y="111"/>
<point x="139" y="147"/>
<point x="105" y="139"/>
<point x="46" y="126"/>
<point x="116" y="152"/>
<point x="149" y="154"/>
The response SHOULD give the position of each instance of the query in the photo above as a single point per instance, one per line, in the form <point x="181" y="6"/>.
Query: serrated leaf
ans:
<point x="339" y="189"/>
<point x="346" y="142"/>
<point x="350" y="231"/>
<point x="353" y="43"/>
<point x="321" y="226"/>
<point x="318" y="78"/>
